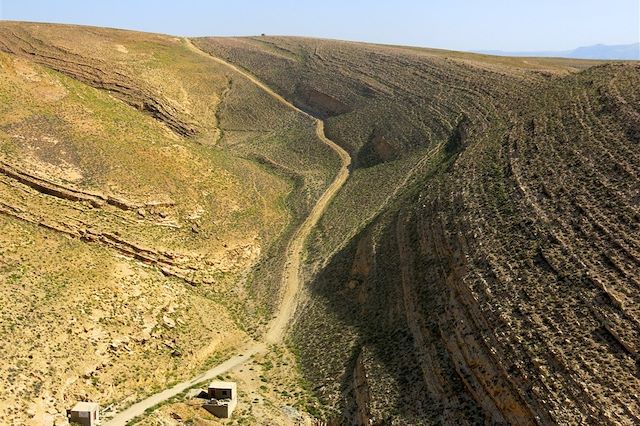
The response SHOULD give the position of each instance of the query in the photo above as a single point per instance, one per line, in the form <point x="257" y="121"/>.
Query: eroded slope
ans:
<point x="514" y="270"/>
<point x="141" y="239"/>
<point x="495" y="280"/>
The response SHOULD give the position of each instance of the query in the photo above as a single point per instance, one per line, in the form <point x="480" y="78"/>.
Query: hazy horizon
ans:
<point x="458" y="25"/>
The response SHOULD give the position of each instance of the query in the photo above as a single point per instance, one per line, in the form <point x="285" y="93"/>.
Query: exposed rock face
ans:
<point x="102" y="207"/>
<point x="319" y="103"/>
<point x="16" y="40"/>
<point x="377" y="150"/>
<point x="503" y="290"/>
<point x="66" y="192"/>
<point x="494" y="281"/>
<point x="362" y="393"/>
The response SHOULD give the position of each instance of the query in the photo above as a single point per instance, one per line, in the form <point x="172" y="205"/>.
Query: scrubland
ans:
<point x="480" y="264"/>
<point x="147" y="197"/>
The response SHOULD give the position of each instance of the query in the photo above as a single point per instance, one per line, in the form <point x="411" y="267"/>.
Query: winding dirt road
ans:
<point x="291" y="276"/>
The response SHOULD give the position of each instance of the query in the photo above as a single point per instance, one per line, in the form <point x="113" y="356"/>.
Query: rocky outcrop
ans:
<point x="377" y="150"/>
<point x="82" y="225"/>
<point x="66" y="192"/>
<point x="318" y="103"/>
<point x="19" y="41"/>
<point x="169" y="263"/>
<point x="513" y="269"/>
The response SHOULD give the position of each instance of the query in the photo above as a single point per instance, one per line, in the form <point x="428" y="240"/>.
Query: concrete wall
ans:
<point x="221" y="410"/>
<point x="84" y="418"/>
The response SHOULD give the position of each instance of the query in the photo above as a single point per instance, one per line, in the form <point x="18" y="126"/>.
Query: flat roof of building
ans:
<point x="85" y="406"/>
<point x="218" y="384"/>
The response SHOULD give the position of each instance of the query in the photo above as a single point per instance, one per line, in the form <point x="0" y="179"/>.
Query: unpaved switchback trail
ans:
<point x="291" y="275"/>
<point x="294" y="251"/>
<point x="292" y="279"/>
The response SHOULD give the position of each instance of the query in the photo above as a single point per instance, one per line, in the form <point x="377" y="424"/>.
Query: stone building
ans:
<point x="85" y="414"/>
<point x="223" y="398"/>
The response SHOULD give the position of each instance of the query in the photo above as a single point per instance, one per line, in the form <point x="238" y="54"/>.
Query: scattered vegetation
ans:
<point x="479" y="265"/>
<point x="148" y="194"/>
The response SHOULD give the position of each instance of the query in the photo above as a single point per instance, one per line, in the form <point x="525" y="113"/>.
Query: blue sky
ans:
<point x="452" y="24"/>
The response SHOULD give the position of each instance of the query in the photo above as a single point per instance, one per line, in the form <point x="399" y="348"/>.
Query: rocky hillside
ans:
<point x="481" y="266"/>
<point x="146" y="196"/>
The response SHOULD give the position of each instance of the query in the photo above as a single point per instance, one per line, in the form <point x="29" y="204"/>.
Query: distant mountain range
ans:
<point x="597" y="51"/>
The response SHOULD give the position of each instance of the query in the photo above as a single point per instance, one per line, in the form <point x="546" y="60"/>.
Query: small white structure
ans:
<point x="223" y="398"/>
<point x="84" y="413"/>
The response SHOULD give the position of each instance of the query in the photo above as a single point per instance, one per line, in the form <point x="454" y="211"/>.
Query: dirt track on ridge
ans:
<point x="291" y="276"/>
